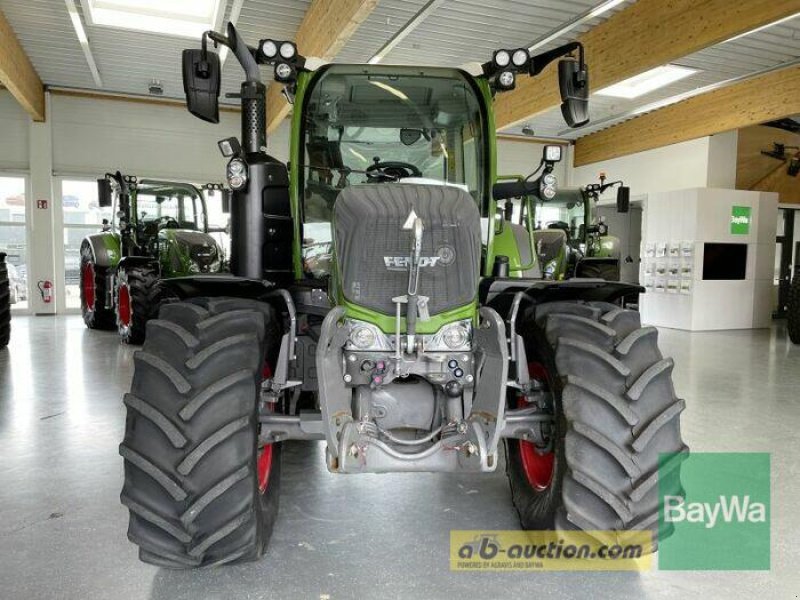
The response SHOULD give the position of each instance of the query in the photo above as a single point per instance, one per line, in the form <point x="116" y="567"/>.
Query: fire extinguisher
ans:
<point x="46" y="290"/>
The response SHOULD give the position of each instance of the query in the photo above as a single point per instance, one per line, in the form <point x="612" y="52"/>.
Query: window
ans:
<point x="383" y="125"/>
<point x="82" y="216"/>
<point x="13" y="239"/>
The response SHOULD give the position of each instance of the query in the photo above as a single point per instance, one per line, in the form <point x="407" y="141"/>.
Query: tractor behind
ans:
<point x="160" y="230"/>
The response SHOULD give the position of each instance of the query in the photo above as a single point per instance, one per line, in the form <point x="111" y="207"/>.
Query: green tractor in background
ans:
<point x="160" y="231"/>
<point x="375" y="303"/>
<point x="5" y="302"/>
<point x="569" y="239"/>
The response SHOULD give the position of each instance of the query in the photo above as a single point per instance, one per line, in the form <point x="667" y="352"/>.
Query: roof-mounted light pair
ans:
<point x="507" y="63"/>
<point x="281" y="54"/>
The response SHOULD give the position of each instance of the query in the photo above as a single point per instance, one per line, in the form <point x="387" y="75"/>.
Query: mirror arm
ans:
<point x="540" y="61"/>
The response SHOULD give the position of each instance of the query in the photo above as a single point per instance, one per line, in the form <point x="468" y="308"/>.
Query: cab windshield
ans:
<point x="567" y="215"/>
<point x="384" y="125"/>
<point x="169" y="206"/>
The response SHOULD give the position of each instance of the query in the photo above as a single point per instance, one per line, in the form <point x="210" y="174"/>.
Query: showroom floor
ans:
<point x="62" y="529"/>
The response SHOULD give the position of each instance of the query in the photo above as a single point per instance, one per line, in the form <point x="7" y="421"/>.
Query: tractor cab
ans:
<point x="379" y="126"/>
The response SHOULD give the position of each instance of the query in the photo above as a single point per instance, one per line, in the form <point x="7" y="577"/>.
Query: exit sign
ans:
<point x="740" y="220"/>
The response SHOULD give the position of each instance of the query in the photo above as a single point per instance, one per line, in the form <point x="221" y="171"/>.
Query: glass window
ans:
<point x="218" y="221"/>
<point x="165" y="204"/>
<point x="13" y="239"/>
<point x="384" y="125"/>
<point x="82" y="216"/>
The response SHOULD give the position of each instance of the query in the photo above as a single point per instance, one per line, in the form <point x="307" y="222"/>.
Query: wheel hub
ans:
<point x="87" y="283"/>
<point x="537" y="465"/>
<point x="124" y="306"/>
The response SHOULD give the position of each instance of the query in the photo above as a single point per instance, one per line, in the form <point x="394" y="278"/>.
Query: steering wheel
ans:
<point x="168" y="222"/>
<point x="391" y="170"/>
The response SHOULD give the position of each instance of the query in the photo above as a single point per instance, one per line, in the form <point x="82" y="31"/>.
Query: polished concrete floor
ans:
<point x="62" y="529"/>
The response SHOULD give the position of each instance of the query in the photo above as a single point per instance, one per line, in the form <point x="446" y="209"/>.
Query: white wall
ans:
<point x="13" y="134"/>
<point x="520" y="158"/>
<point x="704" y="162"/>
<point x="91" y="136"/>
<point x="675" y="167"/>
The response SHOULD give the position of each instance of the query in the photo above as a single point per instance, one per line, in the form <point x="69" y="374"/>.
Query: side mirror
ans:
<point x="573" y="81"/>
<point x="623" y="199"/>
<point x="226" y="201"/>
<point x="104" y="193"/>
<point x="201" y="83"/>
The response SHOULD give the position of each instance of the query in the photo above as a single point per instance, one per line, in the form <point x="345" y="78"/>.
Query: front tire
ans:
<point x="199" y="489"/>
<point x="93" y="290"/>
<point x="138" y="299"/>
<point x="615" y="413"/>
<point x="793" y="311"/>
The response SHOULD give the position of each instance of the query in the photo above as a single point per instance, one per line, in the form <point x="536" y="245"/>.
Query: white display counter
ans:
<point x="708" y="259"/>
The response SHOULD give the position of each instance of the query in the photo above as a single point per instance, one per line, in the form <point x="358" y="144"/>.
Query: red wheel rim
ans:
<point x="87" y="283"/>
<point x="538" y="467"/>
<point x="264" y="464"/>
<point x="264" y="467"/>
<point x="124" y="305"/>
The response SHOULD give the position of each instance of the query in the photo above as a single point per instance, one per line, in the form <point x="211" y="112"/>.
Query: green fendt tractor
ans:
<point x="422" y="348"/>
<point x="5" y="302"/>
<point x="160" y="230"/>
<point x="569" y="239"/>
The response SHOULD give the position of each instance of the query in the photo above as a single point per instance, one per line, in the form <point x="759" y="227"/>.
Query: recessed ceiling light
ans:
<point x="647" y="82"/>
<point x="184" y="18"/>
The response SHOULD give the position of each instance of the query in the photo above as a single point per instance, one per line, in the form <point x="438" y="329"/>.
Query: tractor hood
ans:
<point x="374" y="244"/>
<point x="193" y="249"/>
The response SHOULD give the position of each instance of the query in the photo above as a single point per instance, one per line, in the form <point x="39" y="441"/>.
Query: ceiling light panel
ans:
<point x="183" y="18"/>
<point x="647" y="82"/>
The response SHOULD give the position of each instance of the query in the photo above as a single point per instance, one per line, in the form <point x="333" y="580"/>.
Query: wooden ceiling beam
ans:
<point x="768" y="97"/>
<point x="17" y="73"/>
<point x="326" y="27"/>
<point x="647" y="34"/>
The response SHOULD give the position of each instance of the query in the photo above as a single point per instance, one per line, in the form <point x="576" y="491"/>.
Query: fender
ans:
<point x="138" y="261"/>
<point x="499" y="293"/>
<point x="105" y="248"/>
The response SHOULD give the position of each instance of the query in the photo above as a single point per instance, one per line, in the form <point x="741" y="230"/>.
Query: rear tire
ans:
<point x="5" y="303"/>
<point x="793" y="311"/>
<point x="138" y="298"/>
<point x="93" y="292"/>
<point x="616" y="412"/>
<point x="191" y="449"/>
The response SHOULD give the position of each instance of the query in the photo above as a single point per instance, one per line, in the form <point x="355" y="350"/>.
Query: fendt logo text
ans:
<point x="403" y="262"/>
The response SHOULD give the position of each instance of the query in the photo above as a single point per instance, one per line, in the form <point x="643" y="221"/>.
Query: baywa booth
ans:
<point x="348" y="299"/>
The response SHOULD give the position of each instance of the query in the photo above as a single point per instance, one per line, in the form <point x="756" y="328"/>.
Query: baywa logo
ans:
<point x="715" y="512"/>
<point x="731" y="509"/>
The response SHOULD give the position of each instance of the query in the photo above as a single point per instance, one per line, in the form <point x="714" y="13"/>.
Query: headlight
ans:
<point x="284" y="71"/>
<point x="502" y="58"/>
<point x="366" y="336"/>
<point x="506" y="80"/>
<point x="237" y="174"/>
<point x="269" y="48"/>
<point x="455" y="336"/>
<point x="288" y="50"/>
<point x="520" y="57"/>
